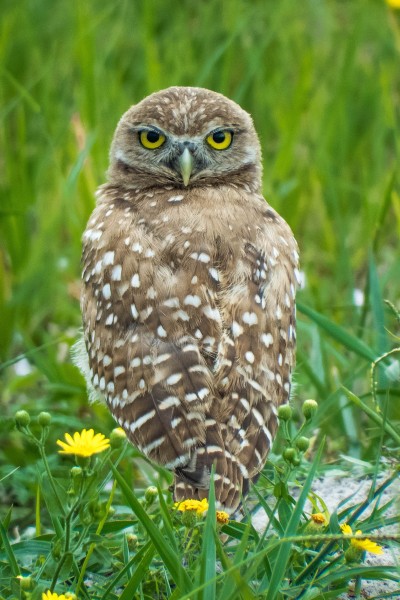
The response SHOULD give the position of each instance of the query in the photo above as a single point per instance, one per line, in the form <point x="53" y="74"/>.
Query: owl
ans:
<point x="188" y="295"/>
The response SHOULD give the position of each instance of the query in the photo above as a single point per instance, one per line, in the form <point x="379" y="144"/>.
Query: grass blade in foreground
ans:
<point x="9" y="551"/>
<point x="138" y="558"/>
<point x="208" y="555"/>
<point x="138" y="575"/>
<point x="171" y="559"/>
<point x="279" y="569"/>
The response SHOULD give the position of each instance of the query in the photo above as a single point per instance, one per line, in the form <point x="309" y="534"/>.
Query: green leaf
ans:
<point x="338" y="333"/>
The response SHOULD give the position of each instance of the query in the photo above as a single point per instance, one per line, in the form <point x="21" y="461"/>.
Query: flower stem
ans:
<point x="93" y="545"/>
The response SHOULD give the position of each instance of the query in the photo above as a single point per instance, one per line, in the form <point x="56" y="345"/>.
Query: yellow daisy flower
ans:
<point x="393" y="3"/>
<point x="84" y="444"/>
<point x="199" y="506"/>
<point x="53" y="596"/>
<point x="222" y="517"/>
<point x="365" y="545"/>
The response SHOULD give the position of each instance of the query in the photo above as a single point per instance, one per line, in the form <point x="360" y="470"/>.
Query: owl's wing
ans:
<point x="141" y="358"/>
<point x="257" y="350"/>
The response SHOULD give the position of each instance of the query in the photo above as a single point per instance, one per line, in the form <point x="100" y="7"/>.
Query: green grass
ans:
<point x="321" y="80"/>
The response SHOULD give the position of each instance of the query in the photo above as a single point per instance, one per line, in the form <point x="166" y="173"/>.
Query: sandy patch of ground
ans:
<point x="334" y="490"/>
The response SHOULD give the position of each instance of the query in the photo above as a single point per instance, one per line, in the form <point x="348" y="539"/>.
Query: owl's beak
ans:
<point x="186" y="165"/>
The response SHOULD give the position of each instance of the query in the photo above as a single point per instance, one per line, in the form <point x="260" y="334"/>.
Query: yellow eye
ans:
<point x="151" y="138"/>
<point x="220" y="139"/>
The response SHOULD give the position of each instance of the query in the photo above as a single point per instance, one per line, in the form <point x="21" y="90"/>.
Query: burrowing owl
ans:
<point x="188" y="296"/>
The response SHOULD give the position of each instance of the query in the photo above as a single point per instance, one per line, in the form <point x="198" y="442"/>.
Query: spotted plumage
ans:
<point x="188" y="296"/>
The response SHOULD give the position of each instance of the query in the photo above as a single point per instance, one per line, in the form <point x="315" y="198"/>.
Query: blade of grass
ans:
<point x="9" y="551"/>
<point x="138" y="575"/>
<point x="169" y="556"/>
<point x="138" y="558"/>
<point x="208" y="555"/>
<point x="374" y="416"/>
<point x="234" y="582"/>
<point x="377" y="305"/>
<point x="165" y="513"/>
<point x="338" y="333"/>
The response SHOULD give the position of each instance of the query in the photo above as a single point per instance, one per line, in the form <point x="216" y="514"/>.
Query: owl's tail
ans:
<point x="193" y="480"/>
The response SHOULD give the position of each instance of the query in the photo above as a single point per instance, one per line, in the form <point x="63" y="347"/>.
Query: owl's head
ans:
<point x="185" y="136"/>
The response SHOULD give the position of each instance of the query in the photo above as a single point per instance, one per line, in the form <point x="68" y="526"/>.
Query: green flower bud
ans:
<point x="290" y="455"/>
<point x="76" y="472"/>
<point x="353" y="554"/>
<point x="302" y="443"/>
<point x="132" y="541"/>
<point x="22" y="418"/>
<point x="285" y="412"/>
<point x="150" y="494"/>
<point x="189" y="518"/>
<point x="44" y="419"/>
<point x="117" y="437"/>
<point x="25" y="582"/>
<point x="309" y="409"/>
<point x="97" y="509"/>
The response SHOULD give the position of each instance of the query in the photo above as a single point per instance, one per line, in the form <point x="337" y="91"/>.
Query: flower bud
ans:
<point x="44" y="419"/>
<point x="353" y="554"/>
<point x="150" y="494"/>
<point x="302" y="443"/>
<point x="189" y="518"/>
<point x="25" y="582"/>
<point x="22" y="418"/>
<point x="309" y="408"/>
<point x="285" y="412"/>
<point x="117" y="437"/>
<point x="290" y="455"/>
<point x="97" y="509"/>
<point x="132" y="540"/>
<point x="76" y="472"/>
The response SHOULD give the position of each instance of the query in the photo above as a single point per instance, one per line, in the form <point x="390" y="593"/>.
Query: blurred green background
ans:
<point x="322" y="81"/>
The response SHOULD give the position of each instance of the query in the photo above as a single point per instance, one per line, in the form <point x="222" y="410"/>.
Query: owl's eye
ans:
<point x="151" y="139"/>
<point x="220" y="139"/>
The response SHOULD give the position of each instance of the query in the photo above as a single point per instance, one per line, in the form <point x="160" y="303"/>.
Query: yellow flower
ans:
<point x="85" y="443"/>
<point x="319" y="519"/>
<point x="53" y="596"/>
<point x="393" y="3"/>
<point x="365" y="545"/>
<point x="193" y="505"/>
<point x="222" y="517"/>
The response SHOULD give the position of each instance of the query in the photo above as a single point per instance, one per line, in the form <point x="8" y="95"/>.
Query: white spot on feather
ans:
<point x="135" y="281"/>
<point x="250" y="318"/>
